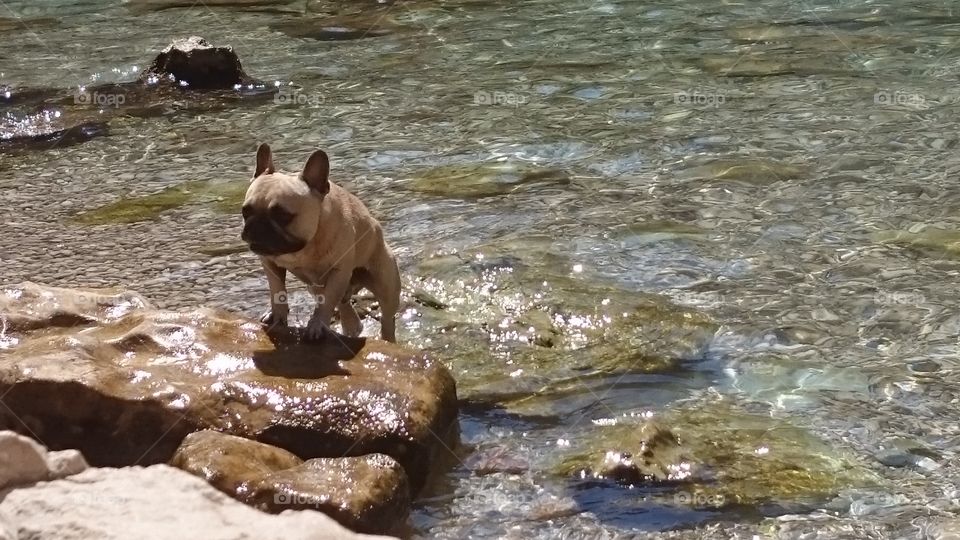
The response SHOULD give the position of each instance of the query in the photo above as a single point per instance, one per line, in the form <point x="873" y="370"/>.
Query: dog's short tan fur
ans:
<point x="326" y="237"/>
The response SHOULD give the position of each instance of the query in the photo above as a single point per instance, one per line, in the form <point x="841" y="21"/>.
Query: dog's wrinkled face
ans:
<point x="281" y="212"/>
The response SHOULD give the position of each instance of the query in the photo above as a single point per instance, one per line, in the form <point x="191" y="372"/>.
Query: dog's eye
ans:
<point x="246" y="210"/>
<point x="279" y="215"/>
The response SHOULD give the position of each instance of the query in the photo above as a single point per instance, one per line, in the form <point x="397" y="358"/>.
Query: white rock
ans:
<point x="153" y="503"/>
<point x="22" y="460"/>
<point x="65" y="463"/>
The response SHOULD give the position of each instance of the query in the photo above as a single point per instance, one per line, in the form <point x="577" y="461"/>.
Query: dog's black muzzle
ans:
<point x="267" y="238"/>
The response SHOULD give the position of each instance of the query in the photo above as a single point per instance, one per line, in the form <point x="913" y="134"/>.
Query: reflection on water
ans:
<point x="782" y="172"/>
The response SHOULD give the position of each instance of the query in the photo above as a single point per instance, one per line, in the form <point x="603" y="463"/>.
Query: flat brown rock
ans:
<point x="365" y="493"/>
<point x="124" y="383"/>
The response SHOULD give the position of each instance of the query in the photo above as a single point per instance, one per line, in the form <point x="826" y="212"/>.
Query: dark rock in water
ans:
<point x="102" y="372"/>
<point x="46" y="129"/>
<point x="195" y="63"/>
<point x="366" y="493"/>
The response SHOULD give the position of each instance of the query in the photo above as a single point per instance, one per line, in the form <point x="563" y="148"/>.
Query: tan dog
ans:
<point x="326" y="237"/>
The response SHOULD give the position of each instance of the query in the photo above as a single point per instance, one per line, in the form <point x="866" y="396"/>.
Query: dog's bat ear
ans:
<point x="315" y="173"/>
<point x="264" y="160"/>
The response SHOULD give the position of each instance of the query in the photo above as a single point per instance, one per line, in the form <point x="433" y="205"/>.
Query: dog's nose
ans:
<point x="243" y="235"/>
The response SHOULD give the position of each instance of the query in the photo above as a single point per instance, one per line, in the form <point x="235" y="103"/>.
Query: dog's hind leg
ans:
<point x="386" y="288"/>
<point x="349" y="320"/>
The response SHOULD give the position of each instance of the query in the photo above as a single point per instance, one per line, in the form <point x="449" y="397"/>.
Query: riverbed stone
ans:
<point x="367" y="493"/>
<point x="125" y="384"/>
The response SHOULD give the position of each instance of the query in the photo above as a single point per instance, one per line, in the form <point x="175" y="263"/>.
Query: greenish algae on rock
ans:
<point x="722" y="455"/>
<point x="750" y="171"/>
<point x="225" y="197"/>
<point x="944" y="241"/>
<point x="478" y="180"/>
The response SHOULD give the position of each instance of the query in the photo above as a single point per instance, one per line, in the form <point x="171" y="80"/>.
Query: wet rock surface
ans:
<point x="367" y="493"/>
<point x="125" y="384"/>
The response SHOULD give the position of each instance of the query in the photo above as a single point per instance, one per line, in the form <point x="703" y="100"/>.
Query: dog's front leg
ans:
<point x="327" y="298"/>
<point x="279" y="307"/>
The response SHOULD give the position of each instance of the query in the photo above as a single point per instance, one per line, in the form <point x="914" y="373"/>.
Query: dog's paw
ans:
<point x="315" y="330"/>
<point x="272" y="318"/>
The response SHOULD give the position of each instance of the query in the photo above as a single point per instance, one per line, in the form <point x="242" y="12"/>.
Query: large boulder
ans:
<point x="152" y="503"/>
<point x="364" y="493"/>
<point x="103" y="372"/>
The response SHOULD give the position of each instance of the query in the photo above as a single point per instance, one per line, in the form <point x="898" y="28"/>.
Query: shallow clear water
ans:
<point x="781" y="168"/>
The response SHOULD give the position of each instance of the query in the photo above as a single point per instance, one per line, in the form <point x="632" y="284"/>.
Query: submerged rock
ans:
<point x="751" y="171"/>
<point x="720" y="455"/>
<point x="923" y="237"/>
<point x="47" y="128"/>
<point x="645" y="454"/>
<point x="152" y="503"/>
<point x="224" y="197"/>
<point x="365" y="493"/>
<point x="126" y="384"/>
<point x="483" y="179"/>
<point x="540" y="329"/>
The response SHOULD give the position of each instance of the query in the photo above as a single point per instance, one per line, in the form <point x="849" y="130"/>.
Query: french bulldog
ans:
<point x="326" y="237"/>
